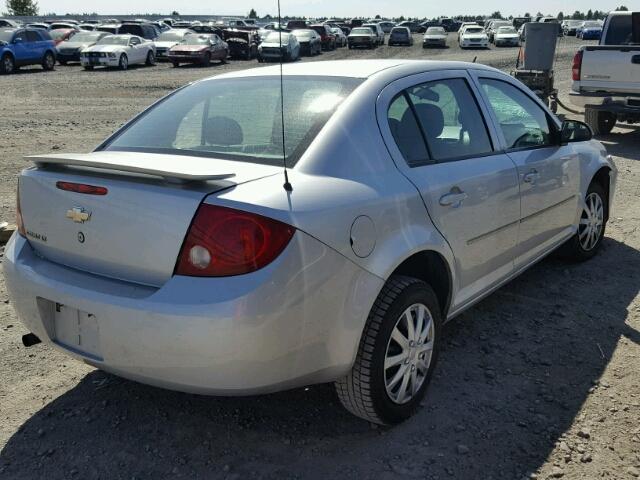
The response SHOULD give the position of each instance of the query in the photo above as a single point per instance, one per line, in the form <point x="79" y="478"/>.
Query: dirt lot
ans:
<point x="540" y="380"/>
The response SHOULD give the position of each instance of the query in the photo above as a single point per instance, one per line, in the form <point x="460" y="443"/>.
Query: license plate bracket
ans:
<point x="76" y="330"/>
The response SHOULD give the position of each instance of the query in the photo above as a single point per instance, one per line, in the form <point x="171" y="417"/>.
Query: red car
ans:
<point x="199" y="49"/>
<point x="62" y="34"/>
<point x="326" y="36"/>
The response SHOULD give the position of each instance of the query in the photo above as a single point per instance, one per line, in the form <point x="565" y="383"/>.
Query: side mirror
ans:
<point x="574" y="131"/>
<point x="18" y="40"/>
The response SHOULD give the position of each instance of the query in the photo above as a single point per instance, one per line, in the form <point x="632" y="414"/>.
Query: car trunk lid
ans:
<point x="135" y="231"/>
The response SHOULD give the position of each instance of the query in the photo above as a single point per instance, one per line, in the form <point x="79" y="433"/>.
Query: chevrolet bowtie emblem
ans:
<point x="79" y="215"/>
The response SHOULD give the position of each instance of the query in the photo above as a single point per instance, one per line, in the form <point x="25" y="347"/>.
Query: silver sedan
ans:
<point x="179" y="254"/>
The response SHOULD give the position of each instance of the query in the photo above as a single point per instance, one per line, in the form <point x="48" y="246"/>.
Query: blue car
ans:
<point x="589" y="31"/>
<point x="25" y="46"/>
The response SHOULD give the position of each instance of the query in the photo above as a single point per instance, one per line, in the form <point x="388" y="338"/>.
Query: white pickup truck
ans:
<point x="606" y="77"/>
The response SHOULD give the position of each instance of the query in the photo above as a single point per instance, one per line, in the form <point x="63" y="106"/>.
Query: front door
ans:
<point x="548" y="172"/>
<point x="470" y="188"/>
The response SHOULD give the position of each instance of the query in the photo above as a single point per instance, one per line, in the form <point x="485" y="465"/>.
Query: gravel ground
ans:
<point x="540" y="380"/>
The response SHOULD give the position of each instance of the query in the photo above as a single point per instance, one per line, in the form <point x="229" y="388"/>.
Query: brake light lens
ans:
<point x="19" y="221"/>
<point x="576" y="69"/>
<point x="82" y="188"/>
<point x="224" y="242"/>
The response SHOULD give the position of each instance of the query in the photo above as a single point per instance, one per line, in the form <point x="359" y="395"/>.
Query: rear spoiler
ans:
<point x="172" y="168"/>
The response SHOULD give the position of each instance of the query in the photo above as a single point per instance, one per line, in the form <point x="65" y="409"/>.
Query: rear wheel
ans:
<point x="586" y="242"/>
<point x="123" y="64"/>
<point x="48" y="61"/>
<point x="601" y="122"/>
<point x="396" y="355"/>
<point x="7" y="65"/>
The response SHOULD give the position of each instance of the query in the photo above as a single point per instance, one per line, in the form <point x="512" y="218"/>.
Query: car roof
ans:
<point x="354" y="68"/>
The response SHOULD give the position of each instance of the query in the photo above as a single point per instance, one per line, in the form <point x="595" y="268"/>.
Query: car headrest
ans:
<point x="223" y="131"/>
<point x="431" y="118"/>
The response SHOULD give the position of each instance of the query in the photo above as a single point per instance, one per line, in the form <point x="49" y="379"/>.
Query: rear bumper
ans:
<point x="611" y="102"/>
<point x="296" y="322"/>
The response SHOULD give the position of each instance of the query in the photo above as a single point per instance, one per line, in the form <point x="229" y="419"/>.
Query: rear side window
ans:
<point x="32" y="36"/>
<point x="619" y="31"/>
<point x="406" y="132"/>
<point x="523" y="122"/>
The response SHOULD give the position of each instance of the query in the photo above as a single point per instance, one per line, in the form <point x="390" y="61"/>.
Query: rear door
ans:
<point x="436" y="132"/>
<point x="548" y="172"/>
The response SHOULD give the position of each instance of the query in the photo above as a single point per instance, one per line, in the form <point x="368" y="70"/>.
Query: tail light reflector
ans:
<point x="224" y="242"/>
<point x="576" y="69"/>
<point x="82" y="188"/>
<point x="19" y="221"/>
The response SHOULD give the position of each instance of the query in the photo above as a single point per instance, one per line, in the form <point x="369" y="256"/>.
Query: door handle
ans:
<point x="532" y="177"/>
<point x="453" y="199"/>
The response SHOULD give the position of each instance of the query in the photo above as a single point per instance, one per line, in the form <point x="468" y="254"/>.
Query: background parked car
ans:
<point x="200" y="49"/>
<point x="310" y="42"/>
<point x="243" y="44"/>
<point x="20" y="47"/>
<point x="69" y="50"/>
<point x="377" y="29"/>
<point x="506" y="37"/>
<point x="435" y="37"/>
<point x="400" y="36"/>
<point x="415" y="27"/>
<point x="491" y="31"/>
<point x="362" y="37"/>
<point x="569" y="27"/>
<point x="473" y="37"/>
<point x="62" y="34"/>
<point x="279" y="46"/>
<point x="113" y="29"/>
<point x="341" y="38"/>
<point x="142" y="30"/>
<point x="6" y="23"/>
<point x="326" y="36"/>
<point x="44" y="26"/>
<point x="168" y="39"/>
<point x="119" y="51"/>
<point x="63" y="26"/>
<point x="387" y="26"/>
<point x="297" y="25"/>
<point x="590" y="30"/>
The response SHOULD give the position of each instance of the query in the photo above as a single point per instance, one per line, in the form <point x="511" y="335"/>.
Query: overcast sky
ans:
<point x="346" y="8"/>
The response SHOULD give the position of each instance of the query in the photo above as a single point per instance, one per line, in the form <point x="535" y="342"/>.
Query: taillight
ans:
<point x="577" y="66"/>
<point x="81" y="188"/>
<point x="223" y="242"/>
<point x="19" y="221"/>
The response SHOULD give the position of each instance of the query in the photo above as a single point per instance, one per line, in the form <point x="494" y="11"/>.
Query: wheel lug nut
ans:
<point x="413" y="367"/>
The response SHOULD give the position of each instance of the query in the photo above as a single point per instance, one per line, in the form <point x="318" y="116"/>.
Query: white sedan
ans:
<point x="119" y="51"/>
<point x="473" y="37"/>
<point x="506" y="37"/>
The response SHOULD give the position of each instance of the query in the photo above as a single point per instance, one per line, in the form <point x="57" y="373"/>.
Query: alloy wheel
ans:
<point x="591" y="222"/>
<point x="7" y="64"/>
<point x="408" y="354"/>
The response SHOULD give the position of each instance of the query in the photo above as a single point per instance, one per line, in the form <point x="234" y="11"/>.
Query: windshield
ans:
<point x="474" y="30"/>
<point x="435" y="31"/>
<point x="302" y="33"/>
<point x="362" y="31"/>
<point x="399" y="31"/>
<point x="591" y="24"/>
<point x="86" y="37"/>
<point x="274" y="37"/>
<point x="196" y="40"/>
<point x="238" y="119"/>
<point x="113" y="40"/>
<point x="6" y="35"/>
<point x="171" y="36"/>
<point x="507" y="30"/>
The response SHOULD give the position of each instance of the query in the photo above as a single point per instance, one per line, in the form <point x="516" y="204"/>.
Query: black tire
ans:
<point x="7" y="64"/>
<point x="601" y="122"/>
<point x="574" y="250"/>
<point x="363" y="391"/>
<point x="123" y="64"/>
<point x="151" y="59"/>
<point x="206" y="61"/>
<point x="48" y="61"/>
<point x="175" y="64"/>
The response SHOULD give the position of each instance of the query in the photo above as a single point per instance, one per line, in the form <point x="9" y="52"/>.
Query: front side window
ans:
<point x="523" y="122"/>
<point x="238" y="119"/>
<point x="32" y="36"/>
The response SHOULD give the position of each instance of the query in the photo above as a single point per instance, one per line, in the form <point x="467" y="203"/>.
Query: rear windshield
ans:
<point x="619" y="31"/>
<point x="238" y="119"/>
<point x="56" y="34"/>
<point x="362" y="31"/>
<point x="197" y="40"/>
<point x="474" y="30"/>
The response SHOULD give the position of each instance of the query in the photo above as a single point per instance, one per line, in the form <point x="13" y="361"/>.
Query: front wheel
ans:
<point x="48" y="61"/>
<point x="397" y="353"/>
<point x="7" y="65"/>
<point x="206" y="61"/>
<point x="586" y="242"/>
<point x="123" y="64"/>
<point x="151" y="59"/>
